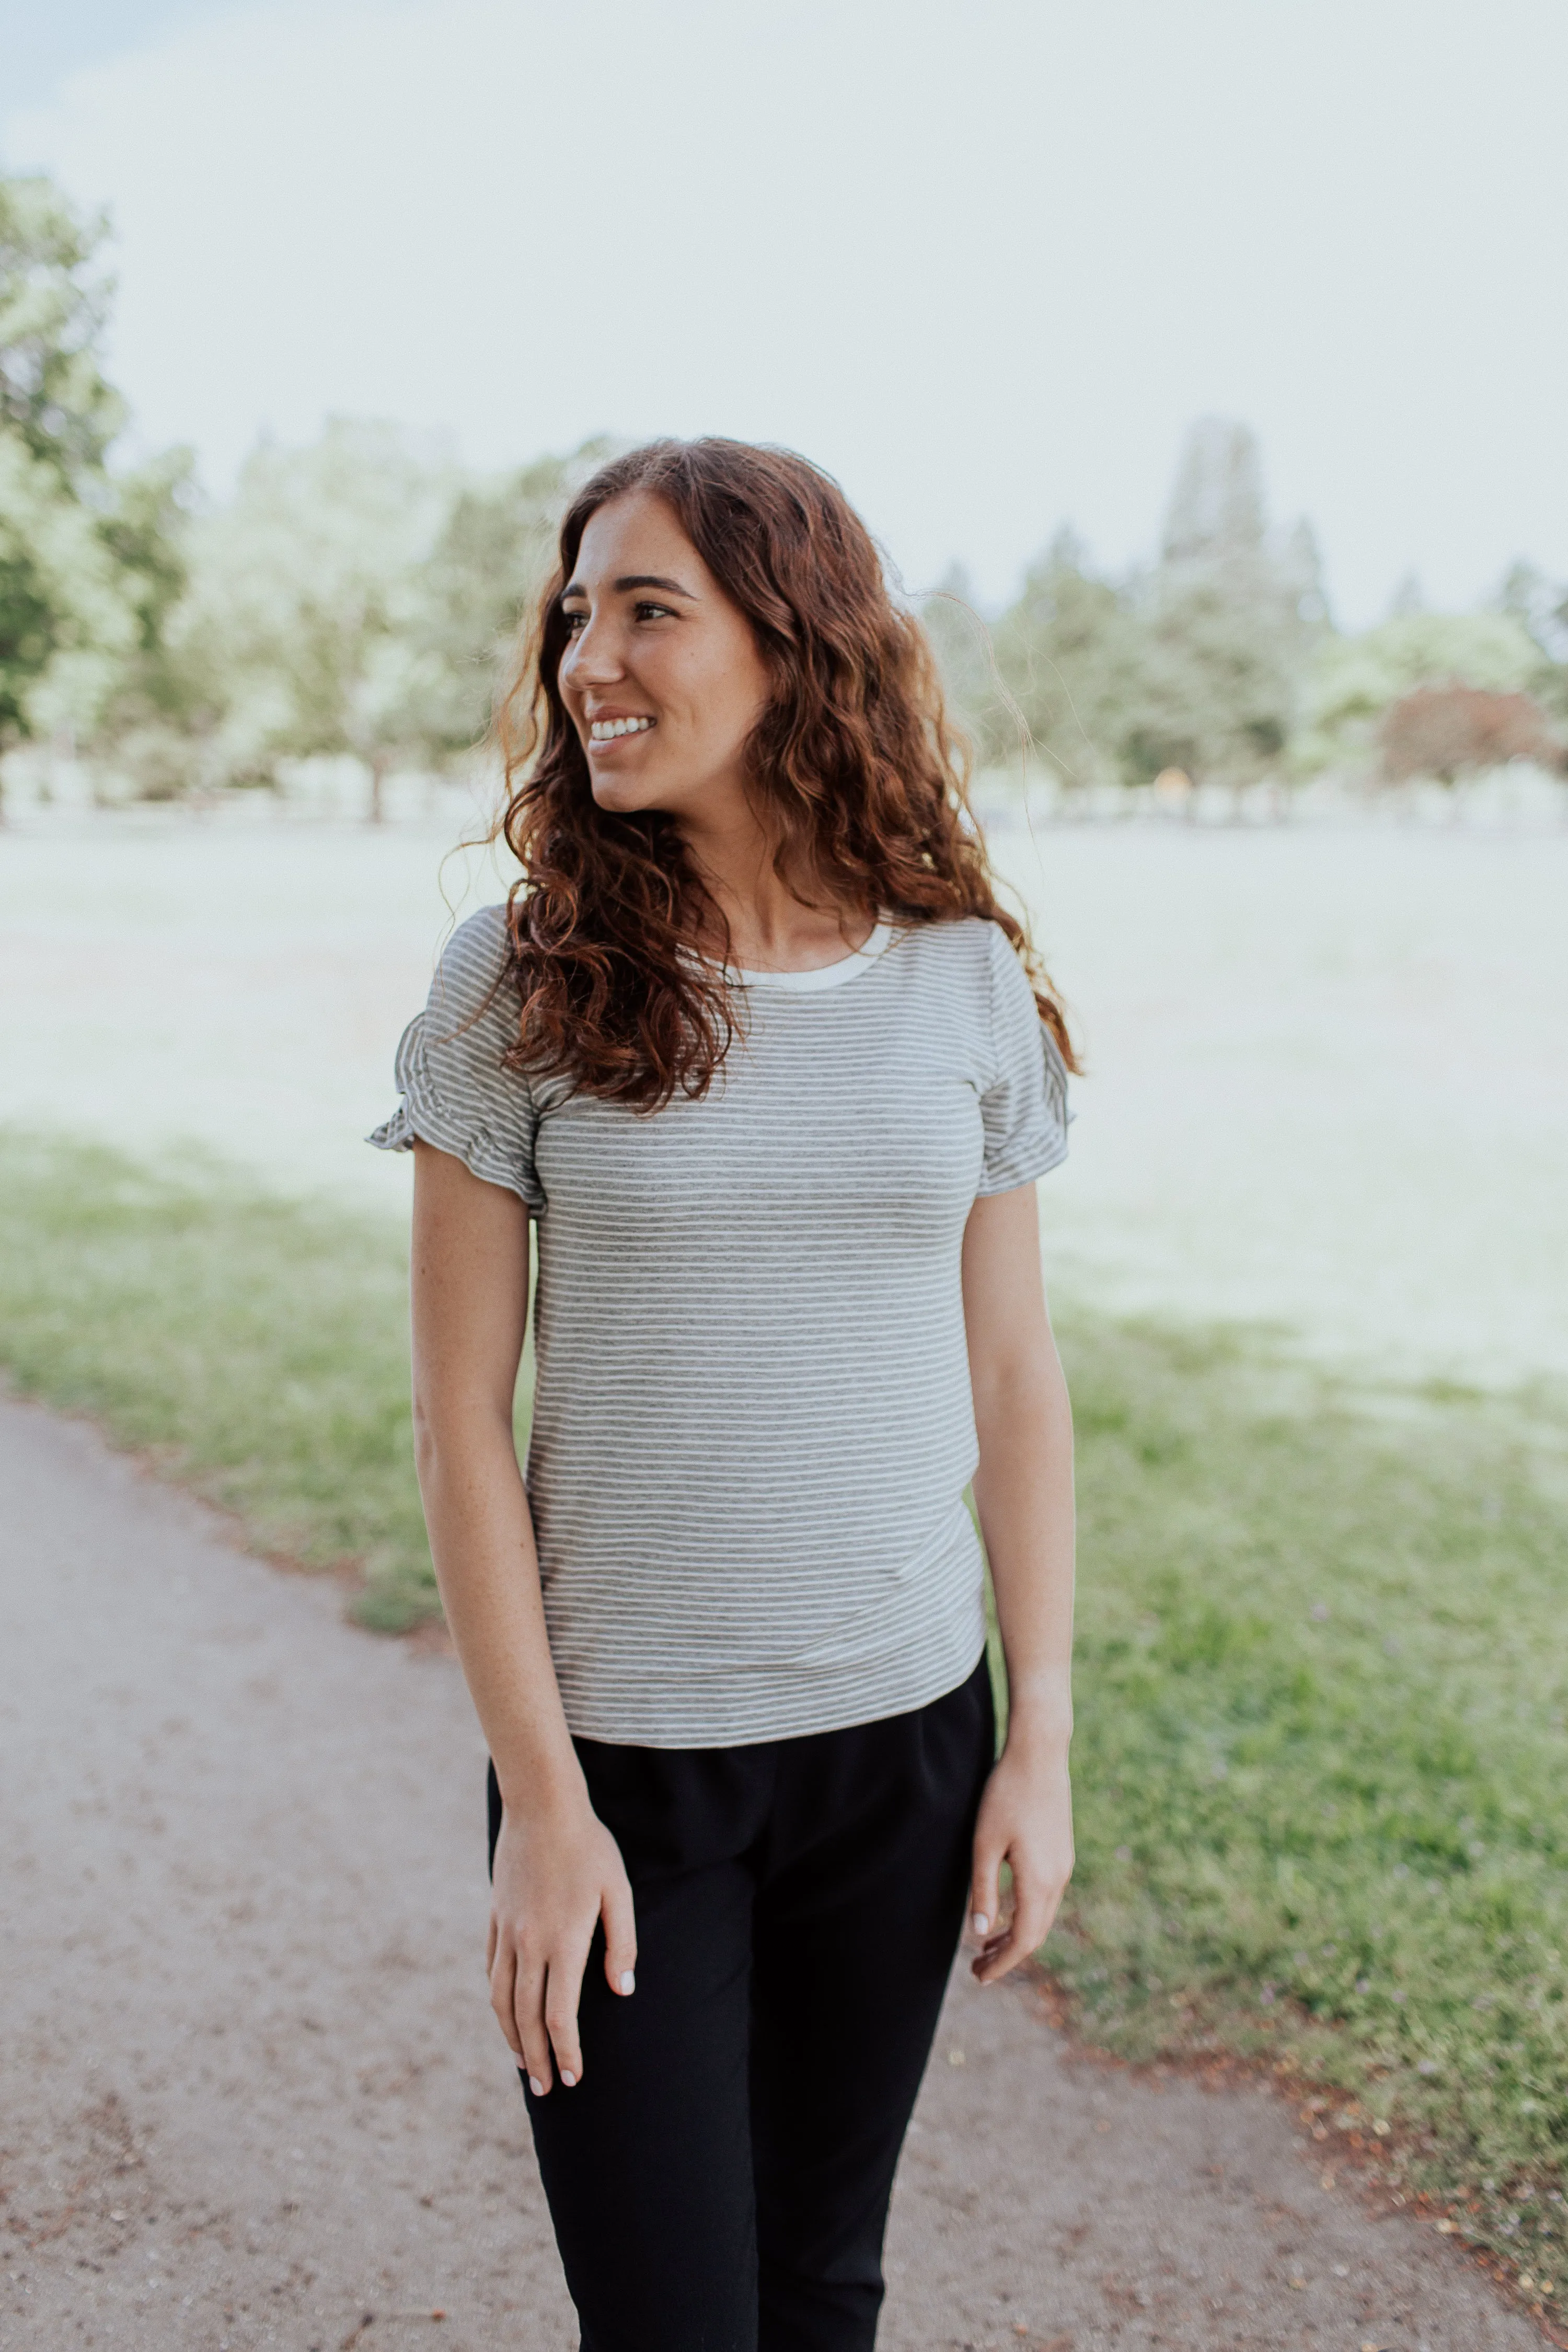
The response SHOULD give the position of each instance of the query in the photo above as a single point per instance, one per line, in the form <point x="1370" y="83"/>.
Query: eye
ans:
<point x="574" y="621"/>
<point x="647" y="612"/>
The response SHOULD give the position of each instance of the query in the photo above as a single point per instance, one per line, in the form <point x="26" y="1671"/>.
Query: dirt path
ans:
<point x="250" y="2092"/>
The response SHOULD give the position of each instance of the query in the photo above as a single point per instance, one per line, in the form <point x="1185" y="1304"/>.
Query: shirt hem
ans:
<point x="744" y="1727"/>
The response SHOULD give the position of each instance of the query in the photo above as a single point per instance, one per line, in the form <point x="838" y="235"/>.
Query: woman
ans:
<point x="754" y="1046"/>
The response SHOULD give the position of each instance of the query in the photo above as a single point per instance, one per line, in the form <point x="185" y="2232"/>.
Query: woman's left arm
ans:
<point x="1024" y="1492"/>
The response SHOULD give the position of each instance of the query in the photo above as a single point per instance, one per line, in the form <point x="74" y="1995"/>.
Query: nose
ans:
<point x="591" y="657"/>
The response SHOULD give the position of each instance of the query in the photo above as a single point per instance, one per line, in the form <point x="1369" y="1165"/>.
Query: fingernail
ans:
<point x="628" y="1982"/>
<point x="980" y="1924"/>
<point x="570" y="2080"/>
<point x="536" y="2086"/>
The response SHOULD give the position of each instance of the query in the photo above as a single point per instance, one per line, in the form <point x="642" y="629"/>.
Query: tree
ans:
<point x="1354" y="680"/>
<point x="957" y="634"/>
<point x="60" y="608"/>
<point x="491" y="558"/>
<point x="1196" y="665"/>
<point x="90" y="559"/>
<point x="1448" y="732"/>
<point x="1070" y="653"/>
<point x="1228" y="619"/>
<point x="1540" y="607"/>
<point x="143" y="725"/>
<point x="54" y="398"/>
<point x="1217" y="499"/>
<point x="300" y="631"/>
<point x="61" y="617"/>
<point x="356" y="596"/>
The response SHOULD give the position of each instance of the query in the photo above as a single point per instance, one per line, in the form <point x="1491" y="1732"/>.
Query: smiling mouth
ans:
<point x="613" y="730"/>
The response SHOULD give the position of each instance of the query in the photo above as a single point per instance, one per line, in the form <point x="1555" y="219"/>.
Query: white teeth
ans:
<point x="606" y="731"/>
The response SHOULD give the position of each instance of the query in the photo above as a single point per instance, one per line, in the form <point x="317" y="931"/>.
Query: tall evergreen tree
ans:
<point x="1070" y="651"/>
<point x="1229" y="617"/>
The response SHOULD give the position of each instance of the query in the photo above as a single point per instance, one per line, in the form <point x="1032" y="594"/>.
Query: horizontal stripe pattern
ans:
<point x="753" y="1422"/>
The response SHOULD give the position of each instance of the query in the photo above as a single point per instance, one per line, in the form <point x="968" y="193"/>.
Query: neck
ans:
<point x="778" y="922"/>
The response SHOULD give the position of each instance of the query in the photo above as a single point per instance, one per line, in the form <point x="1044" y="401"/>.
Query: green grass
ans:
<point x="1322" y="1681"/>
<point x="257" y="1349"/>
<point x="1321" y="1757"/>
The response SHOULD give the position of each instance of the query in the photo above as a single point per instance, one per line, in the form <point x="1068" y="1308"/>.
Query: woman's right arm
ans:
<point x="558" y="1871"/>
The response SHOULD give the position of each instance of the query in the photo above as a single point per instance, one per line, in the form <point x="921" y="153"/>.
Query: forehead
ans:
<point x="637" y="532"/>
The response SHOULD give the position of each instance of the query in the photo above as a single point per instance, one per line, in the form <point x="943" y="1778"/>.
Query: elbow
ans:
<point x="1025" y="1385"/>
<point x="456" y="1431"/>
<point x="434" y="1428"/>
<point x="424" y="1447"/>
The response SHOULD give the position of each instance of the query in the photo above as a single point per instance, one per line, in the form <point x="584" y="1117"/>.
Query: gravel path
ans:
<point x="252" y="2095"/>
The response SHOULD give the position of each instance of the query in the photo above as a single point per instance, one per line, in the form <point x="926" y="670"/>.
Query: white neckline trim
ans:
<point x="824" y="975"/>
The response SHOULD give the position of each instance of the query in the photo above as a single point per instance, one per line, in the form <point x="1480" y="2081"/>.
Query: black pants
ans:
<point x="719" y="2181"/>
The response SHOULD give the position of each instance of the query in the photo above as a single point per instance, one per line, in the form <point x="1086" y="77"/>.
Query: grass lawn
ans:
<point x="1323" y="1689"/>
<point x="1321" y="1755"/>
<point x="257" y="1349"/>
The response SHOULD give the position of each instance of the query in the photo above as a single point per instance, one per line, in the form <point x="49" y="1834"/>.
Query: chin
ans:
<point x="623" y="796"/>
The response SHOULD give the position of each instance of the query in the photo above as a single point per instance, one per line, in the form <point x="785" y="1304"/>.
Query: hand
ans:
<point x="556" y="1875"/>
<point x="1025" y="1820"/>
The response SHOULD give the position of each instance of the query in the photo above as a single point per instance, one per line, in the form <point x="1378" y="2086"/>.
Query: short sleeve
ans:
<point x="457" y="1093"/>
<point x="1024" y="1106"/>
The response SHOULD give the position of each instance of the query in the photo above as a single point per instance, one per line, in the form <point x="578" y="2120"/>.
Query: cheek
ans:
<point x="727" y="692"/>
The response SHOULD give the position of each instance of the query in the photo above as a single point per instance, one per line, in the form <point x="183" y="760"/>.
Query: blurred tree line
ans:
<point x="1220" y="664"/>
<point x="351" y="597"/>
<point x="355" y="597"/>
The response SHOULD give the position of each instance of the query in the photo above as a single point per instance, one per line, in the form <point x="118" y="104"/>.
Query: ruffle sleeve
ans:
<point x="456" y="1092"/>
<point x="1023" y="1109"/>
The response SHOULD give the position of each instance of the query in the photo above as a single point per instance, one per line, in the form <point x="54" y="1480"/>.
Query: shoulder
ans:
<point x="474" y="962"/>
<point x="970" y="960"/>
<point x="481" y="943"/>
<point x="975" y="967"/>
<point x="967" y="948"/>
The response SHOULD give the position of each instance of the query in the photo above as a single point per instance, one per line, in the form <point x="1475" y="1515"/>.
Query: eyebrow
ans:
<point x="631" y="579"/>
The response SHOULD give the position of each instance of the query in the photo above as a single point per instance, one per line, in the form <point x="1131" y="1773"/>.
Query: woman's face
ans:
<point x="661" y="675"/>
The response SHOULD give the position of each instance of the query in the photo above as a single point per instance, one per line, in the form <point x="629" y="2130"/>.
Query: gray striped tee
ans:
<point x="752" y="1426"/>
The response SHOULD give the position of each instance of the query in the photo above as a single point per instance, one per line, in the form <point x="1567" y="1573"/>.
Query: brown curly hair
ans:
<point x="853" y="768"/>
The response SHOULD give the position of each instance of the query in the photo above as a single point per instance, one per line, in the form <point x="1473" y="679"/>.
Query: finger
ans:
<point x="562" y="1990"/>
<point x="528" y="2014"/>
<point x="984" y="1888"/>
<point x="999" y="1960"/>
<point x="1025" y="1932"/>
<point x="501" y="1969"/>
<point x="620" y="1937"/>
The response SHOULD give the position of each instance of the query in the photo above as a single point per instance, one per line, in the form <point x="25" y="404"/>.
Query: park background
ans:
<point x="1203" y="377"/>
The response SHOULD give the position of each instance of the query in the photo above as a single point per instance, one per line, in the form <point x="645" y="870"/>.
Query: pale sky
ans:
<point x="986" y="260"/>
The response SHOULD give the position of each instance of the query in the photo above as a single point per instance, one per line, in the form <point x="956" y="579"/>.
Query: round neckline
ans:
<point x="822" y="975"/>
